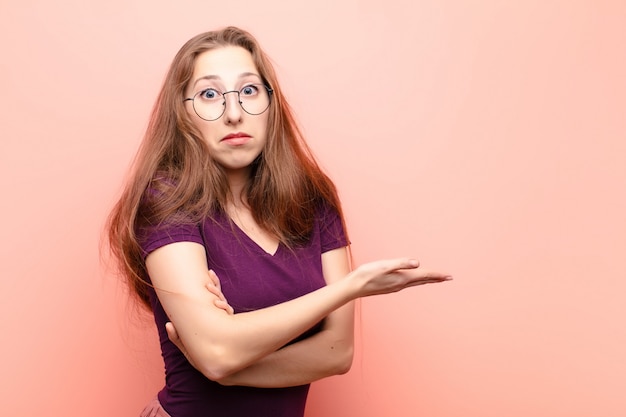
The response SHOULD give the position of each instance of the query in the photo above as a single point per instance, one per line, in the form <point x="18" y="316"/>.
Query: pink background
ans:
<point x="486" y="138"/>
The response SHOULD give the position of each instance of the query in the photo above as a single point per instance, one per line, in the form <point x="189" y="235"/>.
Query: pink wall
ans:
<point x="488" y="138"/>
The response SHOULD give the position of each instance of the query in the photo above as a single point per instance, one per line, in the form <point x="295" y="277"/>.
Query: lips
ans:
<point x="236" y="135"/>
<point x="238" y="138"/>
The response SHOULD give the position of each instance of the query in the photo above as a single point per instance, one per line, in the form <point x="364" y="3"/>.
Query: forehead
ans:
<point x="224" y="63"/>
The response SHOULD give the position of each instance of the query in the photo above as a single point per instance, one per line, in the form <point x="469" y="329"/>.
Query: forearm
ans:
<point x="237" y="341"/>
<point x="319" y="356"/>
<point x="252" y="336"/>
<point x="219" y="344"/>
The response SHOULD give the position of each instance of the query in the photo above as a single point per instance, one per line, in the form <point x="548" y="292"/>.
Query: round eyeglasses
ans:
<point x="210" y="104"/>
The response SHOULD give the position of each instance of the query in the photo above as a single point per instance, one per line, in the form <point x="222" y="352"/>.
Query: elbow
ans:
<point x="344" y="368"/>
<point x="346" y="364"/>
<point x="218" y="365"/>
<point x="343" y="361"/>
<point x="214" y="372"/>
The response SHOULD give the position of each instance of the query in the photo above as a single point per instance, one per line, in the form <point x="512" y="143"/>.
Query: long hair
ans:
<point x="174" y="177"/>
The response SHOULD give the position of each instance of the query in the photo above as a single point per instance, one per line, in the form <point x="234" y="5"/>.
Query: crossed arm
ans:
<point x="326" y="353"/>
<point x="245" y="348"/>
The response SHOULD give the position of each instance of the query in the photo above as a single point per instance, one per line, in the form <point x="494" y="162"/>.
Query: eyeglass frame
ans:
<point x="270" y="92"/>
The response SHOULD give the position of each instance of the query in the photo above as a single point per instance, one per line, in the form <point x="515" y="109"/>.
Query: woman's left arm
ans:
<point x="328" y="352"/>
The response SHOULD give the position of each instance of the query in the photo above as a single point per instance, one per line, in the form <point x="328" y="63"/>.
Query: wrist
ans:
<point x="352" y="286"/>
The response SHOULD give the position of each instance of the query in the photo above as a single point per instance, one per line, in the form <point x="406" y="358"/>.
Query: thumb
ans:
<point x="172" y="334"/>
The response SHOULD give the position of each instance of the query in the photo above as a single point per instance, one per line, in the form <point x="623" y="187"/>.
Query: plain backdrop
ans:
<point x="487" y="138"/>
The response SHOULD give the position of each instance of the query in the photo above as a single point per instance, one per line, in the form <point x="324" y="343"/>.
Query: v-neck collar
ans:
<point x="252" y="242"/>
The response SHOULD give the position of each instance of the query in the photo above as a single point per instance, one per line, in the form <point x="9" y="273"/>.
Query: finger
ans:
<point x="433" y="280"/>
<point x="401" y="263"/>
<point x="437" y="275"/>
<point x="423" y="281"/>
<point x="222" y="304"/>
<point x="214" y="279"/>
<point x="387" y="266"/>
<point x="172" y="334"/>
<point x="215" y="291"/>
<point x="427" y="274"/>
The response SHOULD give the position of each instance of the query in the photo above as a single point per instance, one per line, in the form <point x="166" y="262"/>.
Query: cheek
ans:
<point x="265" y="131"/>
<point x="265" y="125"/>
<point x="191" y="114"/>
<point x="204" y="128"/>
<point x="193" y="121"/>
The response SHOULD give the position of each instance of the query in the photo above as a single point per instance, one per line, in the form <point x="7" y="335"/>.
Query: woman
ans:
<point x="229" y="231"/>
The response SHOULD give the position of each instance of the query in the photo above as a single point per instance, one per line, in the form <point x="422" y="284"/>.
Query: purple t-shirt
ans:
<point x="251" y="279"/>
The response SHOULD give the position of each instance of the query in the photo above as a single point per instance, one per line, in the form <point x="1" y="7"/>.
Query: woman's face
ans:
<point x="236" y="138"/>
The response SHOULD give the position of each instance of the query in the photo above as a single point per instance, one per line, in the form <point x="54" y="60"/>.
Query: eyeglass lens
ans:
<point x="210" y="104"/>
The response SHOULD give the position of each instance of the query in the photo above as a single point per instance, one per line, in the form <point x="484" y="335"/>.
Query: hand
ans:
<point x="172" y="334"/>
<point x="215" y="287"/>
<point x="392" y="275"/>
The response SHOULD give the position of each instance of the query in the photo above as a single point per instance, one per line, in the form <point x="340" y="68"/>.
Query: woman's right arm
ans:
<point x="220" y="344"/>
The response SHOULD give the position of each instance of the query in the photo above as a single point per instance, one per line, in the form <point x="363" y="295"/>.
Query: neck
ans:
<point x="237" y="180"/>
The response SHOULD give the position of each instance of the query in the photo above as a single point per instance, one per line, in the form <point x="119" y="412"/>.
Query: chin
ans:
<point x="237" y="166"/>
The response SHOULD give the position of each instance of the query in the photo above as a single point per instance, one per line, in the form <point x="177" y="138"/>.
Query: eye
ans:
<point x="209" y="94"/>
<point x="249" y="90"/>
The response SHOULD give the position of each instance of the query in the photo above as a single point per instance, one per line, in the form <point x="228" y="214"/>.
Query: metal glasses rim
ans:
<point x="270" y="92"/>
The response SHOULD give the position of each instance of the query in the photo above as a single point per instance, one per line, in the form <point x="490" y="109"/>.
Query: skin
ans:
<point x="246" y="348"/>
<point x="226" y="69"/>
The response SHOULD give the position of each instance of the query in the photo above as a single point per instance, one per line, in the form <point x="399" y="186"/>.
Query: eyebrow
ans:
<point x="216" y="77"/>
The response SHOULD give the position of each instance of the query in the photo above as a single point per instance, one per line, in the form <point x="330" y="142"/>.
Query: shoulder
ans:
<point x="331" y="226"/>
<point x="161" y="221"/>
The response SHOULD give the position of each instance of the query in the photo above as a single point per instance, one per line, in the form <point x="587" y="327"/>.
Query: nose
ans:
<point x="233" y="111"/>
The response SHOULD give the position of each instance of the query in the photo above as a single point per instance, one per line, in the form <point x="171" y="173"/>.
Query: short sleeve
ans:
<point x="154" y="237"/>
<point x="332" y="233"/>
